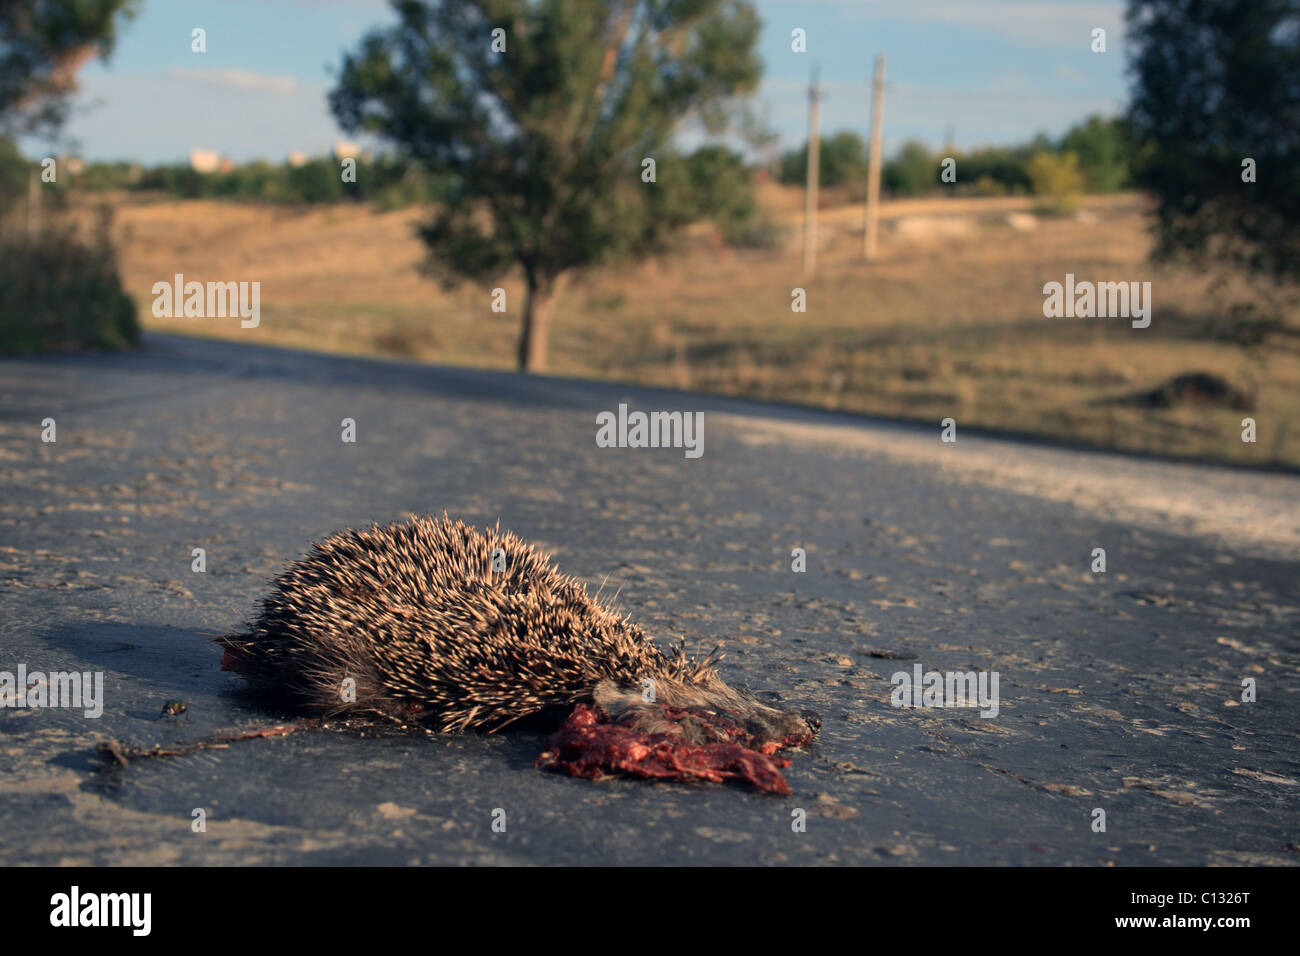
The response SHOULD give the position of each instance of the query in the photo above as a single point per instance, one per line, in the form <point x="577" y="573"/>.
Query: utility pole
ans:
<point x="814" y="174"/>
<point x="873" y="161"/>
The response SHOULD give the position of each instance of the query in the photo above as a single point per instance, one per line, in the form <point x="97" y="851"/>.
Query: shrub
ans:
<point x="13" y="175"/>
<point x="842" y="161"/>
<point x="60" y="292"/>
<point x="1103" y="152"/>
<point x="756" y="232"/>
<point x="1057" y="181"/>
<point x="996" y="170"/>
<point x="316" y="181"/>
<point x="914" y="171"/>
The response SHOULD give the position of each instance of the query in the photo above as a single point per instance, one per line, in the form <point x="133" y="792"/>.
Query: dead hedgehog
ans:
<point x="433" y="621"/>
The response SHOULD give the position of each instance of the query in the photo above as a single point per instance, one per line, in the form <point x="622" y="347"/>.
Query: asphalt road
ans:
<point x="1118" y="691"/>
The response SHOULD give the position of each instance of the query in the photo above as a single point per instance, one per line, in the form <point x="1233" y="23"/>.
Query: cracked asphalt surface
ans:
<point x="1120" y="691"/>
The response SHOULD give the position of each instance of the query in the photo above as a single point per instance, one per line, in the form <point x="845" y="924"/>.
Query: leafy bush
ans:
<point x="995" y="170"/>
<point x="711" y="184"/>
<point x="1057" y="181"/>
<point x="387" y="181"/>
<point x="108" y="176"/>
<point x="841" y="162"/>
<point x="317" y="181"/>
<point x="1103" y="151"/>
<point x="14" y="170"/>
<point x="60" y="292"/>
<point x="913" y="171"/>
<point x="1101" y="147"/>
<point x="756" y="232"/>
<point x="721" y="188"/>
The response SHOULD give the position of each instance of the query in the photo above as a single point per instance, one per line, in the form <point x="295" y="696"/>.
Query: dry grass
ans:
<point x="947" y="322"/>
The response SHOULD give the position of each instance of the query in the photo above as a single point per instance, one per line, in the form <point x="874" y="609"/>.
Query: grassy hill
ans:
<point x="947" y="322"/>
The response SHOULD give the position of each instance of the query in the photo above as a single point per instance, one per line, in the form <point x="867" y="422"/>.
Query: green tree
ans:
<point x="994" y="170"/>
<point x="1102" y="151"/>
<point x="1056" y="180"/>
<point x="912" y="171"/>
<point x="1217" y="83"/>
<point x="317" y="180"/>
<point x="544" y="143"/>
<point x="42" y="45"/>
<point x="842" y="161"/>
<point x="720" y="187"/>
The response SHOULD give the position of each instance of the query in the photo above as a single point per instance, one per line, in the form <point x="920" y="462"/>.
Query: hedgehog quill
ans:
<point x="435" y="622"/>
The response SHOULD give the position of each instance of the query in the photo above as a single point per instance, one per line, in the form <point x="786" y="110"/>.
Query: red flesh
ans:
<point x="590" y="746"/>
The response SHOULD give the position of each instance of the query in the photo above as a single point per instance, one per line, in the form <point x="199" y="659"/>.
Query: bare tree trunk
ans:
<point x="537" y="318"/>
<point x="33" y="203"/>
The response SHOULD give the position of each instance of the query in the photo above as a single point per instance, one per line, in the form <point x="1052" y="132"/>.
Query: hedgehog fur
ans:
<point x="416" y="616"/>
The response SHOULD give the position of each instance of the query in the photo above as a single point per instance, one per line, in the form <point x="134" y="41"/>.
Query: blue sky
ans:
<point x="996" y="72"/>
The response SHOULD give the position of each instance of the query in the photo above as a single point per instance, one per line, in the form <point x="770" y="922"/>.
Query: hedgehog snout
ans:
<point x="766" y="723"/>
<point x="790" y="728"/>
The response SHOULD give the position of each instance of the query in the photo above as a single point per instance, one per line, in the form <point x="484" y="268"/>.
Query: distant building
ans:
<point x="297" y="158"/>
<point x="204" y="160"/>
<point x="345" y="150"/>
<point x="227" y="164"/>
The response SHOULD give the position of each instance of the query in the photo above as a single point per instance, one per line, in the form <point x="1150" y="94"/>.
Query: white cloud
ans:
<point x="244" y="81"/>
<point x="1044" y="22"/>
